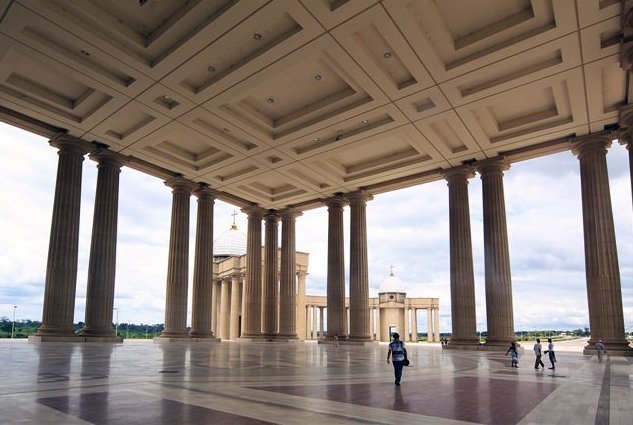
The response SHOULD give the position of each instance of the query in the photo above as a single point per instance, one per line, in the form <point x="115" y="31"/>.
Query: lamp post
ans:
<point x="13" y="324"/>
<point x="116" y="324"/>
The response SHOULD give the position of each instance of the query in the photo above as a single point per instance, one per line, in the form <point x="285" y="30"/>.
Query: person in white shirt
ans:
<point x="550" y="353"/>
<point x="538" y="353"/>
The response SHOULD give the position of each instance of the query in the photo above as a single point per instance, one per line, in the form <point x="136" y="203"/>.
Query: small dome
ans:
<point x="391" y="284"/>
<point x="231" y="243"/>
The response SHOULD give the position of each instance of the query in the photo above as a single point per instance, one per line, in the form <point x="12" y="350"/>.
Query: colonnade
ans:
<point x="267" y="309"/>
<point x="601" y="262"/>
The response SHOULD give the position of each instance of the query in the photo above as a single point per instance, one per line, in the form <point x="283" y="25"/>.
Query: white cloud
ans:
<point x="408" y="229"/>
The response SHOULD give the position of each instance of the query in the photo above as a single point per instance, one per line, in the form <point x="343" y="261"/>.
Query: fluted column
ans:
<point x="271" y="288"/>
<point x="378" y="324"/>
<point x="288" y="276"/>
<point x="429" y="325"/>
<point x="225" y="304"/>
<point x="215" y="296"/>
<point x="203" y="265"/>
<point x="253" y="288"/>
<point x="61" y="267"/>
<point x="606" y="319"/>
<point x="436" y="323"/>
<point x="626" y="135"/>
<point x="499" y="312"/>
<point x="102" y="265"/>
<point x="463" y="317"/>
<point x="235" y="307"/>
<point x="315" y="332"/>
<point x="414" y="325"/>
<point x="404" y="335"/>
<point x="177" y="266"/>
<point x="336" y="317"/>
<point x="371" y="323"/>
<point x="301" y="304"/>
<point x="321" y="322"/>
<point x="358" y="273"/>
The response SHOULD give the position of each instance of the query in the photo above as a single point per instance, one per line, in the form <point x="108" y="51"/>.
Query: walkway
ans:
<point x="140" y="382"/>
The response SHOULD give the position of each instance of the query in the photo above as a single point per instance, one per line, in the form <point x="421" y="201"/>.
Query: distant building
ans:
<point x="390" y="312"/>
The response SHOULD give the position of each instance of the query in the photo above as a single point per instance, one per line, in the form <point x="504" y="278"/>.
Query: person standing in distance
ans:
<point x="538" y="353"/>
<point x="550" y="352"/>
<point x="600" y="350"/>
<point x="398" y="353"/>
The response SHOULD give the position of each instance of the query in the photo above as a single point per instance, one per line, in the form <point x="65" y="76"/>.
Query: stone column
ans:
<point x="315" y="331"/>
<point x="499" y="312"/>
<point x="271" y="289"/>
<point x="371" y="323"/>
<point x="336" y="317"/>
<point x="604" y="294"/>
<point x="102" y="265"/>
<point x="321" y="322"/>
<point x="214" y="308"/>
<point x="414" y="322"/>
<point x="429" y="325"/>
<point x="378" y="325"/>
<point x="203" y="265"/>
<point x="404" y="335"/>
<point x="225" y="304"/>
<point x="358" y="273"/>
<point x="61" y="268"/>
<point x="626" y="136"/>
<point x="436" y="324"/>
<point x="288" y="276"/>
<point x="235" y="307"/>
<point x="301" y="303"/>
<point x="464" y="322"/>
<point x="177" y="264"/>
<point x="252" y="314"/>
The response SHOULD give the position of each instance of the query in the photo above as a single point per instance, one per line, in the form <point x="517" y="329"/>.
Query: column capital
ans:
<point x="66" y="142"/>
<point x="493" y="166"/>
<point x="204" y="192"/>
<point x="591" y="143"/>
<point x="289" y="214"/>
<point x="179" y="184"/>
<point x="336" y="201"/>
<point x="272" y="216"/>
<point x="254" y="211"/>
<point x="359" y="197"/>
<point x="458" y="174"/>
<point x="105" y="156"/>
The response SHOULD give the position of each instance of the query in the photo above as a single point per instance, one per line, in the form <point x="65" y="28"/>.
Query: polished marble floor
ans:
<point x="142" y="382"/>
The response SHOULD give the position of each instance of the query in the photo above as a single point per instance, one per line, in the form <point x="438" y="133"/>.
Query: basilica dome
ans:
<point x="391" y="284"/>
<point x="231" y="243"/>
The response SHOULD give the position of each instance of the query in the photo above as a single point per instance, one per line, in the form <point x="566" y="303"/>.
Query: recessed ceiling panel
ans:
<point x="272" y="32"/>
<point x="315" y="86"/>
<point x="606" y="85"/>
<point x="154" y="36"/>
<point x="375" y="42"/>
<point x="451" y="42"/>
<point x="546" y="106"/>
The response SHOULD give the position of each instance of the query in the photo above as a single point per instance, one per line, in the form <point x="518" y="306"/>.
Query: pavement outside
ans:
<point x="142" y="382"/>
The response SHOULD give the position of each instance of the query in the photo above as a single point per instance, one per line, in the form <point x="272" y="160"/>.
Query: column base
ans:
<point x="187" y="340"/>
<point x="464" y="344"/>
<point x="97" y="333"/>
<point x="76" y="338"/>
<point x="46" y="332"/>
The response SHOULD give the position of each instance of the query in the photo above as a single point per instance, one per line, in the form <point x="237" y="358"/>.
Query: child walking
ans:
<point x="514" y="353"/>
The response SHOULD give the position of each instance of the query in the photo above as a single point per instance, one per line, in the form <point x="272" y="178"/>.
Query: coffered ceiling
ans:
<point x="284" y="103"/>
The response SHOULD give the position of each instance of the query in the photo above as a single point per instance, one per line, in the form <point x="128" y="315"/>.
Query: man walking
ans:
<point x="398" y="353"/>
<point x="538" y="353"/>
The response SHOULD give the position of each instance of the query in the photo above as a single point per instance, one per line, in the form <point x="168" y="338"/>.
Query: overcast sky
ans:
<point x="407" y="229"/>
